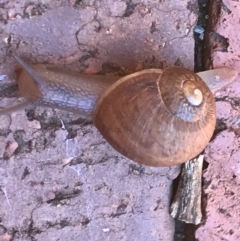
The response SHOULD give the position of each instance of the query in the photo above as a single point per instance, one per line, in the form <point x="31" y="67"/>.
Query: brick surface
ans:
<point x="101" y="196"/>
<point x="222" y="177"/>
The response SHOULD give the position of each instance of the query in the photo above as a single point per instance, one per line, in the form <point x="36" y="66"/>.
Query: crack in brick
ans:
<point x="89" y="162"/>
<point x="64" y="194"/>
<point x="26" y="172"/>
<point x="233" y="101"/>
<point x="129" y="9"/>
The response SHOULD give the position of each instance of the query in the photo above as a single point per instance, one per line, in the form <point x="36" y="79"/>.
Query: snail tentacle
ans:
<point x="24" y="104"/>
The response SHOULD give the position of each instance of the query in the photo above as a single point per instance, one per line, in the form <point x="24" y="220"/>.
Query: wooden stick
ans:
<point x="186" y="205"/>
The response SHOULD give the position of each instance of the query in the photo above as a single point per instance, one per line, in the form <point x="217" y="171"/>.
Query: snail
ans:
<point x="154" y="117"/>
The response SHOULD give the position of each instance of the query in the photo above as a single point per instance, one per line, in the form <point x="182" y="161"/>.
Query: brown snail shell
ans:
<point x="157" y="118"/>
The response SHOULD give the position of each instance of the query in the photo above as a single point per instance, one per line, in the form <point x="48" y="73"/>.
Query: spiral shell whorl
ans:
<point x="185" y="94"/>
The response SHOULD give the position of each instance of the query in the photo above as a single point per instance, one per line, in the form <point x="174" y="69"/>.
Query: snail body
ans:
<point x="49" y="86"/>
<point x="154" y="117"/>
